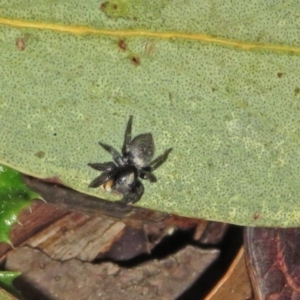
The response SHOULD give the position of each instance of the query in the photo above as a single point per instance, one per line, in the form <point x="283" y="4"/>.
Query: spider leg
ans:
<point x="158" y="161"/>
<point x="104" y="177"/>
<point x="147" y="175"/>
<point x="114" y="153"/>
<point x="134" y="195"/>
<point x="107" y="166"/>
<point x="127" y="137"/>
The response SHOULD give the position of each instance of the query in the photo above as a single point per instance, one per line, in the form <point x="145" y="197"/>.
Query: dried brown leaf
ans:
<point x="273" y="258"/>
<point x="235" y="284"/>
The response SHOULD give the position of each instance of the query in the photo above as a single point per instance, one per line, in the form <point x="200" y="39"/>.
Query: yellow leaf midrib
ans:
<point x="147" y="33"/>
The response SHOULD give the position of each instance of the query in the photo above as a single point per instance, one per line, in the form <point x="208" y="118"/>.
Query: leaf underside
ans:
<point x="215" y="81"/>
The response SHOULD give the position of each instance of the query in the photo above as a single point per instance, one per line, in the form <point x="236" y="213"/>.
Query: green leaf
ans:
<point x="14" y="196"/>
<point x="216" y="80"/>
<point x="6" y="282"/>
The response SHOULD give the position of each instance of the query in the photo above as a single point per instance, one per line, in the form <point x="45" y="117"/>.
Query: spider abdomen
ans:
<point x="142" y="150"/>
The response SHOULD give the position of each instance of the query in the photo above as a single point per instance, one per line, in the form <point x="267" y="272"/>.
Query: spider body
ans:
<point x="122" y="174"/>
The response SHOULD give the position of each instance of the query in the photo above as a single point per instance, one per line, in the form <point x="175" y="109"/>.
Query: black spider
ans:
<point x="121" y="176"/>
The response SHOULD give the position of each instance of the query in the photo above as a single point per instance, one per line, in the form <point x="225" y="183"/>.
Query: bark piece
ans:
<point x="156" y="279"/>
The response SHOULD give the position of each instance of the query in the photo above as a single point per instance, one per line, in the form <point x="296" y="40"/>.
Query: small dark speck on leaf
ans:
<point x="135" y="60"/>
<point x="279" y="74"/>
<point x="103" y="5"/>
<point x="115" y="6"/>
<point x="54" y="134"/>
<point x="210" y="165"/>
<point x="256" y="216"/>
<point x="297" y="91"/>
<point x="40" y="154"/>
<point x="21" y="43"/>
<point x="122" y="45"/>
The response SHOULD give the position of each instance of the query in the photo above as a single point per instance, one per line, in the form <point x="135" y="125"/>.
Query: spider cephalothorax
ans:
<point x="121" y="175"/>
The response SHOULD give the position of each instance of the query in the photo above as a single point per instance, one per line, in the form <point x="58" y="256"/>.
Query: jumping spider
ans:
<point x="121" y="176"/>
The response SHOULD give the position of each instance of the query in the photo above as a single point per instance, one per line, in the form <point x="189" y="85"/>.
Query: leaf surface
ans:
<point x="14" y="196"/>
<point x="6" y="282"/>
<point x="215" y="80"/>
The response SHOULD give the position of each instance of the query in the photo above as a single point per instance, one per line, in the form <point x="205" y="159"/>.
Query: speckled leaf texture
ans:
<point x="216" y="80"/>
